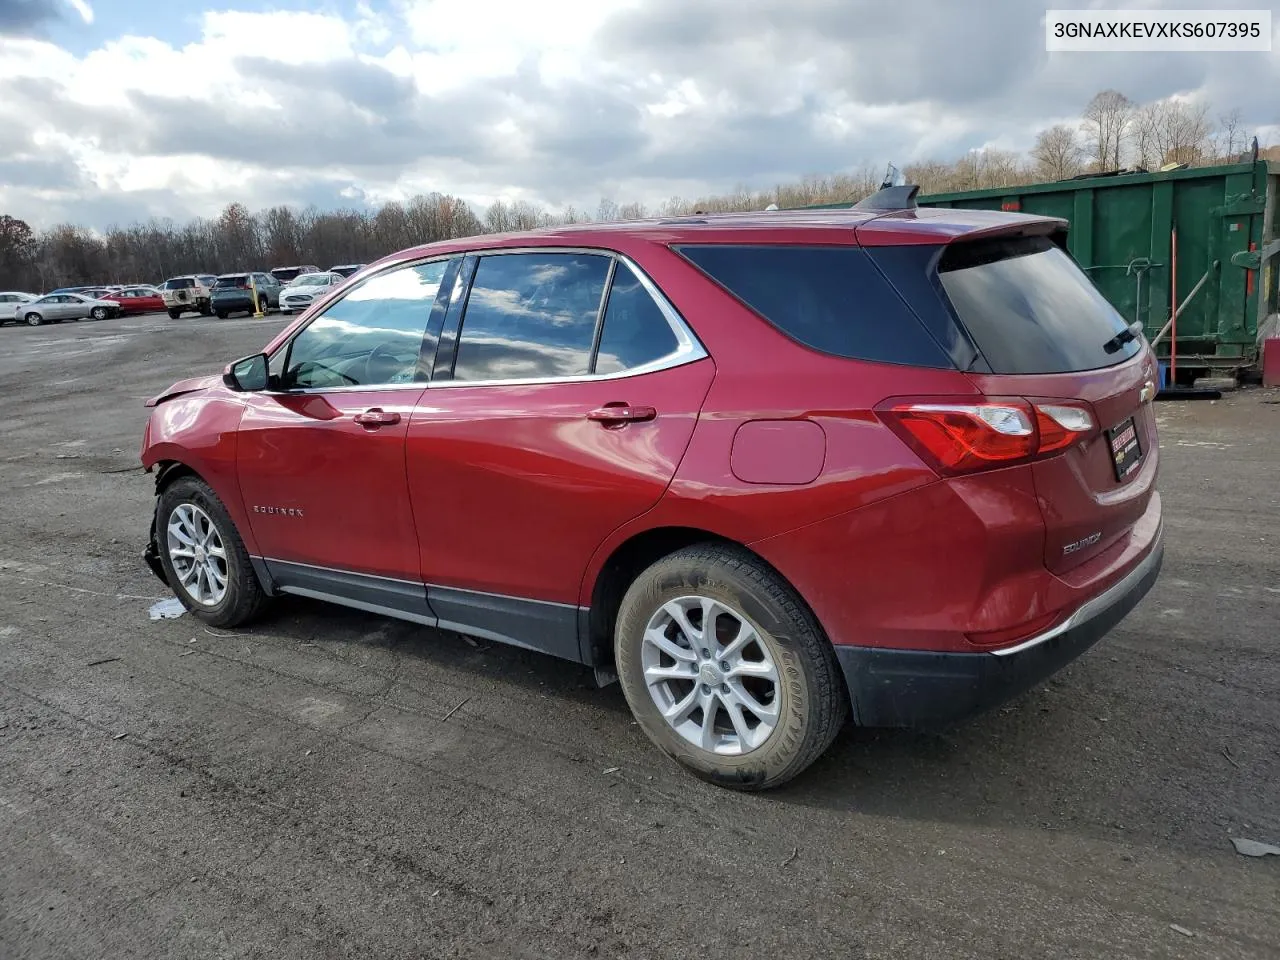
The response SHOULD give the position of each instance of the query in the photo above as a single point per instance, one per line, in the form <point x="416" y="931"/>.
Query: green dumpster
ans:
<point x="1228" y="255"/>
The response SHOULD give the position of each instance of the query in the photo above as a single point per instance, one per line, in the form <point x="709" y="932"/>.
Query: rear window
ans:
<point x="1030" y="309"/>
<point x="180" y="283"/>
<point x="230" y="283"/>
<point x="832" y="299"/>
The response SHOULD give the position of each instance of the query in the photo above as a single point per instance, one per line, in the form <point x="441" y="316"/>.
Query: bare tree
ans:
<point x="1057" y="153"/>
<point x="606" y="210"/>
<point x="1232" y="137"/>
<point x="1172" y="131"/>
<point x="1106" y="125"/>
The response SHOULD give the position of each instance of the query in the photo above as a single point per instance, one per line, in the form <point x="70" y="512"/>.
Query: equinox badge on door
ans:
<point x="280" y="511"/>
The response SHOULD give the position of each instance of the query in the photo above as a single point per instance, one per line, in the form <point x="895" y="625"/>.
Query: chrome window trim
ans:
<point x="688" y="350"/>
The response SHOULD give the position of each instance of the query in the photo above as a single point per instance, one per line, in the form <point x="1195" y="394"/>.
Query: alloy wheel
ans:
<point x="198" y="554"/>
<point x="712" y="675"/>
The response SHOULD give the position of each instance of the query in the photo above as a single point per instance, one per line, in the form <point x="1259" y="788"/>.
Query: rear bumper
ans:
<point x="917" y="688"/>
<point x="233" y="304"/>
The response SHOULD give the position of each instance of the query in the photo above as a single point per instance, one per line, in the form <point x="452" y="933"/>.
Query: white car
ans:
<point x="11" y="301"/>
<point x="57" y="307"/>
<point x="306" y="290"/>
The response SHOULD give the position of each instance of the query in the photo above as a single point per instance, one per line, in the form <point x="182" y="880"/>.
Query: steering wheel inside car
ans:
<point x="384" y="365"/>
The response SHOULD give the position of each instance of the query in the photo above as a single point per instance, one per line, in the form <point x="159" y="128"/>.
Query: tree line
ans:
<point x="1113" y="133"/>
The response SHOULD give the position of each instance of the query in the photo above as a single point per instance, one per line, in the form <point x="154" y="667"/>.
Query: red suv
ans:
<point x="767" y="469"/>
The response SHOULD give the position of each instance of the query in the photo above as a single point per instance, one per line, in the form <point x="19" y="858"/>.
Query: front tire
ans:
<point x="174" y="314"/>
<point x="33" y="319"/>
<point x="204" y="559"/>
<point x="98" y="313"/>
<point x="751" y="701"/>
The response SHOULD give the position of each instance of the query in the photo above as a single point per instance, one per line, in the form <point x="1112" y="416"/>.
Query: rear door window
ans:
<point x="831" y="299"/>
<point x="1030" y="309"/>
<point x="531" y="316"/>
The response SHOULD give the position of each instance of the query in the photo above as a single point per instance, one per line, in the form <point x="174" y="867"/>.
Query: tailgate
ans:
<point x="1089" y="495"/>
<point x="1046" y="334"/>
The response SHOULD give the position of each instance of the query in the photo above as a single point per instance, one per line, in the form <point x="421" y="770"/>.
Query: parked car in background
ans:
<point x="770" y="469"/>
<point x="11" y="302"/>
<point x="306" y="289"/>
<point x="138" y="299"/>
<point x="235" y="292"/>
<point x="347" y="269"/>
<point x="191" y="293"/>
<point x="57" y="307"/>
<point x="285" y="275"/>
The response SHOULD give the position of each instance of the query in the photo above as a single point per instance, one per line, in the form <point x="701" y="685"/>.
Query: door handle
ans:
<point x="376" y="417"/>
<point x="621" y="413"/>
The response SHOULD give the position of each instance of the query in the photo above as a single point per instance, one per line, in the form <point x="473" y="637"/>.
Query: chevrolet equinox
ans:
<point x="771" y="470"/>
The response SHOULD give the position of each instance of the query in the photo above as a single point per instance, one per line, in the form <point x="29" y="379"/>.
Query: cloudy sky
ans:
<point x="112" y="111"/>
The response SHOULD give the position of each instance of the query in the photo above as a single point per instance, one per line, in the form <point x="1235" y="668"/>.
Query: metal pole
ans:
<point x="1183" y="306"/>
<point x="1173" y="296"/>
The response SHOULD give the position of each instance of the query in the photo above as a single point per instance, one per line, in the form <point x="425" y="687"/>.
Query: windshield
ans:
<point x="312" y="280"/>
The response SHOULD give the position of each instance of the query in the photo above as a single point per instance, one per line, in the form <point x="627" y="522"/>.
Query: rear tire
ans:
<point x="796" y="714"/>
<point x="206" y="310"/>
<point x="174" y="314"/>
<point x="214" y="577"/>
<point x="33" y="319"/>
<point x="220" y="314"/>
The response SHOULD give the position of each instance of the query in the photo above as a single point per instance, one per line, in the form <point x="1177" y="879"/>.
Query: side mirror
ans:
<point x="247" y="375"/>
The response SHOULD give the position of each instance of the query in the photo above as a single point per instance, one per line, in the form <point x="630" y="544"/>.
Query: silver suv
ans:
<point x="189" y="294"/>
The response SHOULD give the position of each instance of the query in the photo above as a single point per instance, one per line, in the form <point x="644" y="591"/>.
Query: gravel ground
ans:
<point x="333" y="784"/>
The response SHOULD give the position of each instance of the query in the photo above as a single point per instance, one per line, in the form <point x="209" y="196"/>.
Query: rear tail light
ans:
<point x="1061" y="426"/>
<point x="984" y="435"/>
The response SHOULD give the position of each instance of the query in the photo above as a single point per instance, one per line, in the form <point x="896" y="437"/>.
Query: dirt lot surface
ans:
<point x="332" y="784"/>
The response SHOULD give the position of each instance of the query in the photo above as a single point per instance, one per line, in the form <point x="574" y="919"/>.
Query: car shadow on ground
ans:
<point x="1040" y="761"/>
<point x="343" y="630"/>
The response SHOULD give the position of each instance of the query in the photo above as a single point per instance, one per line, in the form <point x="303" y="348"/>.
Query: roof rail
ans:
<point x="890" y="198"/>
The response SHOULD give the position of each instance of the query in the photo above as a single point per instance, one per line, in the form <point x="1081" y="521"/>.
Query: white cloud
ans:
<point x="558" y="101"/>
<point x="83" y="8"/>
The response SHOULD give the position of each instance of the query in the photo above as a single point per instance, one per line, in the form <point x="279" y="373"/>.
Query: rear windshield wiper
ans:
<point x="1126" y="335"/>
